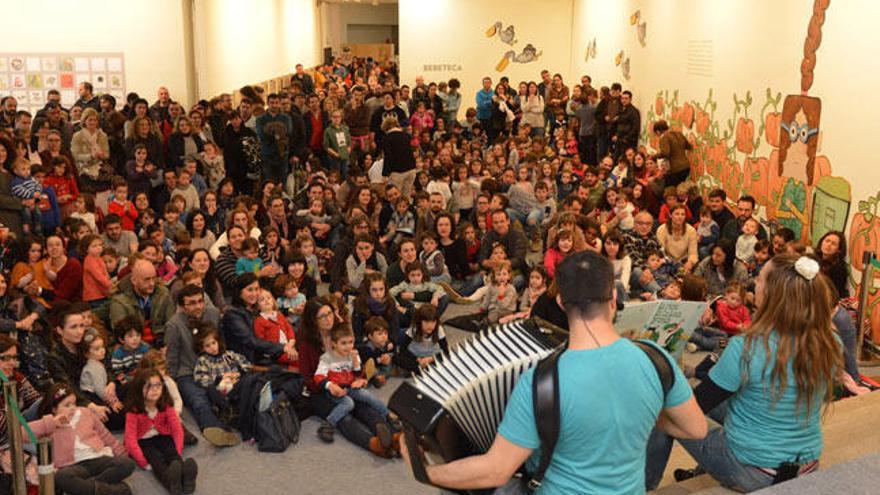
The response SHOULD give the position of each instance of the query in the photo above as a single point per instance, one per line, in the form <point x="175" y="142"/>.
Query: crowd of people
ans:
<point x="152" y="256"/>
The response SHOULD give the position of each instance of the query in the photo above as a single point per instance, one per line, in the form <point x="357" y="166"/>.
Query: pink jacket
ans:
<point x="137" y="425"/>
<point x="89" y="429"/>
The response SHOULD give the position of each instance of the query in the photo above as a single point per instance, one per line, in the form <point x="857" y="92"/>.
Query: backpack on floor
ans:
<point x="277" y="426"/>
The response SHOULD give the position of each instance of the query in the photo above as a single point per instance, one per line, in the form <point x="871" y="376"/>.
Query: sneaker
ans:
<point x="219" y="437"/>
<point x="378" y="381"/>
<point x="326" y="432"/>
<point x="189" y="474"/>
<point x="691" y="347"/>
<point x="172" y="477"/>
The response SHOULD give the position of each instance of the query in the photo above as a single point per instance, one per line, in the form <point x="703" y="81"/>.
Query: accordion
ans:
<point x="453" y="408"/>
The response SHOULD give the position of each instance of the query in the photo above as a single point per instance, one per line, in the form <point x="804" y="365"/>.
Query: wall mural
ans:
<point x="779" y="163"/>
<point x="731" y="153"/>
<point x="507" y="35"/>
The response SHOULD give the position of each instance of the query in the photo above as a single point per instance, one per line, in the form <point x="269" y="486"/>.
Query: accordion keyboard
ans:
<point x="474" y="382"/>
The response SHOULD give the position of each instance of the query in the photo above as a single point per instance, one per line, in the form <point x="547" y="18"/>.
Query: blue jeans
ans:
<point x="707" y="338"/>
<point x="849" y="335"/>
<point x="637" y="287"/>
<point x="530" y="221"/>
<point x="196" y="400"/>
<point x="338" y="164"/>
<point x="469" y="285"/>
<point x="711" y="453"/>
<point x="345" y="404"/>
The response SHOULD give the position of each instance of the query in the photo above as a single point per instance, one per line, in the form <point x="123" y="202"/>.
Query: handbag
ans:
<point x="277" y="427"/>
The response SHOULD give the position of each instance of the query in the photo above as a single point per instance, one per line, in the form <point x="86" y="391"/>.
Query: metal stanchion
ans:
<point x="18" y="482"/>
<point x="867" y="279"/>
<point x="46" y="467"/>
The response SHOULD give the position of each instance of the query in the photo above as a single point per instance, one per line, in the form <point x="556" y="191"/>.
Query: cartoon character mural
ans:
<point x="778" y="163"/>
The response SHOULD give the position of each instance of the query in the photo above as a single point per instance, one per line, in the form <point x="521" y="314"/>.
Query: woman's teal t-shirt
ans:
<point x="762" y="429"/>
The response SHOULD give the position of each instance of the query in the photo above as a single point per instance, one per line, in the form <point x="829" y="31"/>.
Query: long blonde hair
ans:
<point x="799" y="311"/>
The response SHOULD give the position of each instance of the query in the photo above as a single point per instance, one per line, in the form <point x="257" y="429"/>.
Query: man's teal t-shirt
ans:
<point x="610" y="399"/>
<point x="763" y="430"/>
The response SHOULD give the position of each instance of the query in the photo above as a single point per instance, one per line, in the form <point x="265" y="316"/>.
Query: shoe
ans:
<point x="686" y="474"/>
<point x="378" y="381"/>
<point x="380" y="451"/>
<point x="691" y="347"/>
<point x="219" y="437"/>
<point x="189" y="475"/>
<point x="172" y="477"/>
<point x="383" y="433"/>
<point x="453" y="294"/>
<point x="325" y="432"/>
<point x="189" y="439"/>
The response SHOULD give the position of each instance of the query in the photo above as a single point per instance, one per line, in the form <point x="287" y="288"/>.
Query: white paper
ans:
<point x="33" y="64"/>
<point x="114" y="64"/>
<point x="99" y="64"/>
<point x="81" y="64"/>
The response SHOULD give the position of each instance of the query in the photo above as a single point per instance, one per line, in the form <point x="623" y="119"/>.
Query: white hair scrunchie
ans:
<point x="807" y="267"/>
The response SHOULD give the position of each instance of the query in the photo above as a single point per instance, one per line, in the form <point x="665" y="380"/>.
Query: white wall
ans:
<point x="453" y="32"/>
<point x="335" y="19"/>
<point x="238" y="43"/>
<point x="148" y="32"/>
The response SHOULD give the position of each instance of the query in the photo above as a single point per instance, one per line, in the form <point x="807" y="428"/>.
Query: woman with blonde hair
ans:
<point x="769" y="387"/>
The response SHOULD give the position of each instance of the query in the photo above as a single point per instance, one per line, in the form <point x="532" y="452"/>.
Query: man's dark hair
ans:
<point x="88" y="86"/>
<point x="627" y="93"/>
<point x="188" y="290"/>
<point x="586" y="283"/>
<point x="718" y="193"/>
<point x="112" y="218"/>
<point x="616" y="87"/>
<point x="748" y="199"/>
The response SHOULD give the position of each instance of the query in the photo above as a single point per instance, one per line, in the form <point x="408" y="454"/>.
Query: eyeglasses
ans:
<point x="153" y="386"/>
<point x="8" y="357"/>
<point x="328" y="314"/>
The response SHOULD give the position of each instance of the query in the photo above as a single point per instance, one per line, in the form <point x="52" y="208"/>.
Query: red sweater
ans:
<point x="137" y="425"/>
<point x="126" y="211"/>
<point x="62" y="185"/>
<point x="69" y="283"/>
<point x="270" y="330"/>
<point x="729" y="318"/>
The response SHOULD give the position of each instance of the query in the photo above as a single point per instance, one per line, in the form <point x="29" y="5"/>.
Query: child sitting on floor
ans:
<point x="125" y="359"/>
<point x="537" y="286"/>
<point x="291" y="301"/>
<point x="423" y="341"/>
<point x="377" y="351"/>
<point x="339" y="375"/>
<point x="93" y="379"/>
<point x="733" y="316"/>
<point x="154" y="434"/>
<point x="271" y="326"/>
<point x="217" y="370"/>
<point x="663" y="271"/>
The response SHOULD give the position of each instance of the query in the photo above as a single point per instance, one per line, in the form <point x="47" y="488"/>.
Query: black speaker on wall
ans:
<point x="328" y="55"/>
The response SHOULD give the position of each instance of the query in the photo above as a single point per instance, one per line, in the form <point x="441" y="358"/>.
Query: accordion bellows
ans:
<point x="472" y="386"/>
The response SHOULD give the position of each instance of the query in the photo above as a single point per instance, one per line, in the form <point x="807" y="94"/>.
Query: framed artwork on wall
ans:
<point x="28" y="76"/>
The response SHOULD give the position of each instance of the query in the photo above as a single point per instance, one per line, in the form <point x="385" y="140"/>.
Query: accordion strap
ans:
<point x="545" y="401"/>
